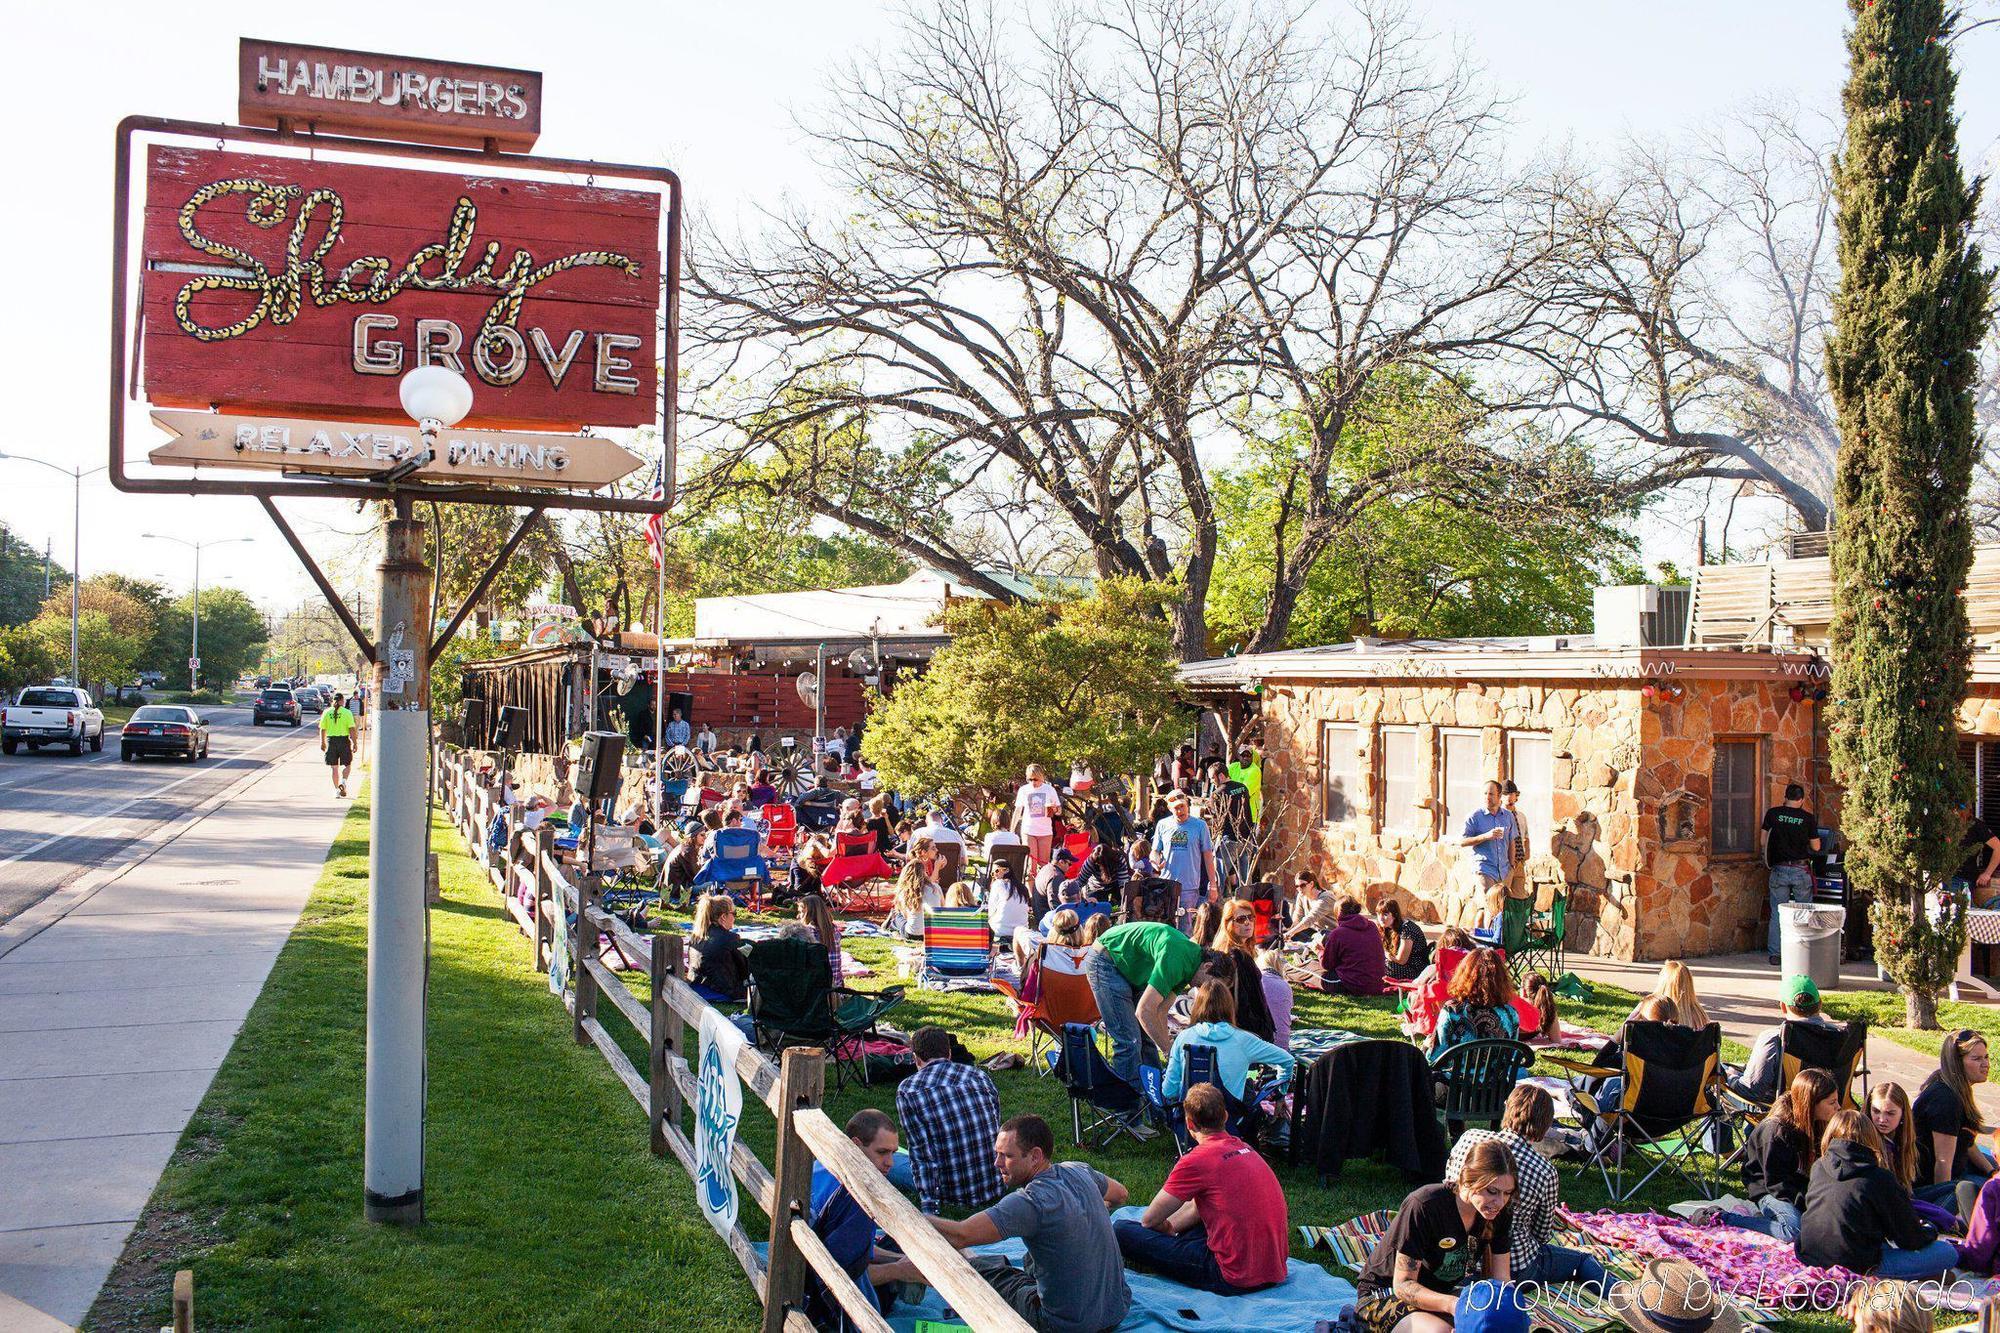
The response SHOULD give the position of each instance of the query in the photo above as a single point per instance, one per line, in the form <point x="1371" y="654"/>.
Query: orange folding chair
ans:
<point x="1060" y="998"/>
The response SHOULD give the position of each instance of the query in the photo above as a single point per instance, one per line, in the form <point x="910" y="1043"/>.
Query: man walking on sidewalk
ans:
<point x="1791" y="837"/>
<point x="336" y="741"/>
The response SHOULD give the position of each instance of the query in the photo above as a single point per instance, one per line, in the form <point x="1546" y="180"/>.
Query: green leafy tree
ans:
<point x="448" y="672"/>
<point x="1090" y="679"/>
<point x="1908" y="319"/>
<point x="22" y="577"/>
<point x="25" y="657"/>
<point x="1433" y="549"/>
<point x="233" y="637"/>
<point x="113" y="629"/>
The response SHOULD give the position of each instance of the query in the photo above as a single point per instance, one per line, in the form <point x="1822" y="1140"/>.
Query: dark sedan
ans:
<point x="164" y="729"/>
<point x="276" y="704"/>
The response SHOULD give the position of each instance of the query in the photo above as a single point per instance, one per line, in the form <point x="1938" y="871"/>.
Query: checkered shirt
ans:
<point x="950" y="1115"/>
<point x="1534" y="1191"/>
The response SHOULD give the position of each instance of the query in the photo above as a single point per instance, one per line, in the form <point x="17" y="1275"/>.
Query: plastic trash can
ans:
<point x="1809" y="942"/>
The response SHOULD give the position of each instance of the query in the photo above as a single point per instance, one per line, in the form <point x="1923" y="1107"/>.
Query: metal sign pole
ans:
<point x="393" y="1131"/>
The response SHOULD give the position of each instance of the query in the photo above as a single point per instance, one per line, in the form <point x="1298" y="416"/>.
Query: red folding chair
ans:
<point x="1079" y="845"/>
<point x="852" y="878"/>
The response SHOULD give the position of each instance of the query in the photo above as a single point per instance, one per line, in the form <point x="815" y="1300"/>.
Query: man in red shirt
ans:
<point x="1219" y="1223"/>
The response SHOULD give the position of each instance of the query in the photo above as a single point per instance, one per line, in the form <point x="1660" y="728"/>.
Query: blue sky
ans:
<point x="711" y="90"/>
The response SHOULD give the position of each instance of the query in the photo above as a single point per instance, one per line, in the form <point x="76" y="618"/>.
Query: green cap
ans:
<point x="1798" y="987"/>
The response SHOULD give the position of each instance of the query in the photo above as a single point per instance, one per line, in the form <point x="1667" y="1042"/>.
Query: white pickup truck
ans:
<point x="51" y="715"/>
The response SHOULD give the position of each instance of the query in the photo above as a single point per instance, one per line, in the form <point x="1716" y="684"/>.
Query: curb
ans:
<point x="67" y="899"/>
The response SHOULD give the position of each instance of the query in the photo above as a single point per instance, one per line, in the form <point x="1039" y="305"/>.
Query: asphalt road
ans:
<point x="62" y="816"/>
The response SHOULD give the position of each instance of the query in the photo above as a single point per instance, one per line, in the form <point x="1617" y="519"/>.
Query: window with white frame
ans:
<point x="1530" y="769"/>
<point x="1402" y="781"/>
<point x="1461" y="778"/>
<point x="1340" y="771"/>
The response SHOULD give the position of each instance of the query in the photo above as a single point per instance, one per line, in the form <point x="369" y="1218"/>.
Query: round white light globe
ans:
<point x="436" y="393"/>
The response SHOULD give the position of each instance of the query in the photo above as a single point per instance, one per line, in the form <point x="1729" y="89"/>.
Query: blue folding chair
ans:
<point x="1246" y="1115"/>
<point x="738" y="859"/>
<point x="1115" y="1106"/>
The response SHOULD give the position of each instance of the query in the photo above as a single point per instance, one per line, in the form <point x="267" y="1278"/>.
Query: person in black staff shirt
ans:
<point x="1444" y="1237"/>
<point x="1982" y="848"/>
<point x="1791" y="837"/>
<point x="1226" y="806"/>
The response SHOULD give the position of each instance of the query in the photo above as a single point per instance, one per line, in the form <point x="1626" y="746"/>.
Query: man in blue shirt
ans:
<point x="1184" y="852"/>
<point x="677" y="732"/>
<point x="1490" y="833"/>
<point x="848" y="1231"/>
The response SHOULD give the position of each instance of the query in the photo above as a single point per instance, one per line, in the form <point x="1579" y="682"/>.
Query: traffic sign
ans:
<point x="194" y="664"/>
<point x="351" y="449"/>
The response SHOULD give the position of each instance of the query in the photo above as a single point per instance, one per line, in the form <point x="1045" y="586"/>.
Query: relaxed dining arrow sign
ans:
<point x="350" y="449"/>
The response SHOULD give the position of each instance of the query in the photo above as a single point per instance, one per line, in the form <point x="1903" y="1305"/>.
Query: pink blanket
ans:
<point x="1757" y="1270"/>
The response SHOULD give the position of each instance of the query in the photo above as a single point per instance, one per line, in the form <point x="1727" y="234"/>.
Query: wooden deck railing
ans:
<point x="791" y="1087"/>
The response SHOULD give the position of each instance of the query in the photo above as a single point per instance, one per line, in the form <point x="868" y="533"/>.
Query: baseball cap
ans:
<point x="1798" y="987"/>
<point x="1487" y="1306"/>
<point x="1064" y="856"/>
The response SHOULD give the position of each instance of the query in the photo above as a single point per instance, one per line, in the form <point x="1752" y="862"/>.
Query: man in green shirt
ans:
<point x="1134" y="972"/>
<point x="336" y="741"/>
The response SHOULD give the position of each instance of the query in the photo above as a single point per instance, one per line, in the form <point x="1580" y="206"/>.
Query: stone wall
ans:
<point x="1691" y="901"/>
<point x="1593" y="733"/>
<point x="1630" y="777"/>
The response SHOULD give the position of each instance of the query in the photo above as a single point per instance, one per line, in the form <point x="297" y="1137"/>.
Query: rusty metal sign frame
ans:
<point x="124" y="328"/>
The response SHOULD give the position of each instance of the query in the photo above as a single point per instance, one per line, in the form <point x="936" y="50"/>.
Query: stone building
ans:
<point x="1646" y="752"/>
<point x="1644" y="773"/>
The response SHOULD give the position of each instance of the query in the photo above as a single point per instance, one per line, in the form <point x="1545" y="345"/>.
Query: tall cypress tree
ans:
<point x="1908" y="317"/>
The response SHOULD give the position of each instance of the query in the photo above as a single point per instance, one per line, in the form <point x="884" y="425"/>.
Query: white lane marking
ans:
<point x="29" y="770"/>
<point x="113" y="812"/>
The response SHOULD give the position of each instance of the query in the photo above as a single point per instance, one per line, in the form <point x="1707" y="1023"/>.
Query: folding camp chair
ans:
<point x="1668" y="1110"/>
<point x="1012" y="855"/>
<point x="1476" y="1077"/>
<point x="1534" y="939"/>
<point x="1152" y="898"/>
<point x="1060" y="998"/>
<point x="1841" y="1049"/>
<point x="1087" y="908"/>
<point x="781" y="831"/>
<point x="793" y="1001"/>
<point x="1078" y="845"/>
<point x="857" y="873"/>
<point x="958" y="945"/>
<point x="1114" y="1106"/>
<point x="1263" y="898"/>
<point x="737" y="862"/>
<point x="951" y="863"/>
<point x="1246" y="1114"/>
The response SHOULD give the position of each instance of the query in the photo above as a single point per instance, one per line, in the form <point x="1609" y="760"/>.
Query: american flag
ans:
<point x="655" y="519"/>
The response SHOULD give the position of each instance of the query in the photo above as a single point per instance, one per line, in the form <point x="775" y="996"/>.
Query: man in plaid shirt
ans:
<point x="951" y="1115"/>
<point x="1530" y="1113"/>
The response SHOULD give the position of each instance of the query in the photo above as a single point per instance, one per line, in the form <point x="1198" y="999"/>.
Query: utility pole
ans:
<point x="393" y="1135"/>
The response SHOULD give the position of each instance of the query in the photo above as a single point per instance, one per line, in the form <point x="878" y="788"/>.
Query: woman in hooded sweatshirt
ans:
<point x="1213" y="1023"/>
<point x="1351" y="958"/>
<point x="1858" y="1215"/>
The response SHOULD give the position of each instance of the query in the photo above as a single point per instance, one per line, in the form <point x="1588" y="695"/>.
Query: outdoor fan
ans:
<point x="791" y="773"/>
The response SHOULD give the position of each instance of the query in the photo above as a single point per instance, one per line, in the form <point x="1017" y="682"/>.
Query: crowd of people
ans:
<point x="1184" y="942"/>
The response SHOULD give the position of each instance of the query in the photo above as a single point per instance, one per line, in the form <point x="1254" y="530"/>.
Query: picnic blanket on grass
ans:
<point x="1760" y="1273"/>
<point x="1307" y="1295"/>
<point x="1312" y="1043"/>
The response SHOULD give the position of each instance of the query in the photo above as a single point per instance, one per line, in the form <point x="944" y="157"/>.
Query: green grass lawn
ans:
<point x="1884" y="1012"/>
<point x="545" y="1209"/>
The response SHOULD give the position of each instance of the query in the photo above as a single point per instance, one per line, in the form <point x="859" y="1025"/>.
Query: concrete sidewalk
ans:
<point x="114" y="1019"/>
<point x="1740" y="991"/>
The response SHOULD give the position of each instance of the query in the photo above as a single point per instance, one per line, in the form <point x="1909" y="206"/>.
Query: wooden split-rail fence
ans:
<point x="534" y="884"/>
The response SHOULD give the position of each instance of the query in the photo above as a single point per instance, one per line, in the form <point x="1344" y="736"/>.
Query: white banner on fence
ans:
<point x="558" y="944"/>
<point x="718" y="1108"/>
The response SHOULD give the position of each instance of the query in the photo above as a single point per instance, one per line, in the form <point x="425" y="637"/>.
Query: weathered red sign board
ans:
<point x="333" y="91"/>
<point x="305" y="287"/>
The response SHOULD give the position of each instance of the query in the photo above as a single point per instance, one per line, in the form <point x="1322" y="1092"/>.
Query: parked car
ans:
<point x="275" y="704"/>
<point x="51" y="715"/>
<point x="167" y="729"/>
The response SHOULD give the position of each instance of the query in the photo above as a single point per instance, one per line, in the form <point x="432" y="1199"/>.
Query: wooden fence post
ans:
<point x="585" y="936"/>
<point x="184" y="1301"/>
<point x="664" y="1102"/>
<point x="539" y="944"/>
<point x="801" y="1082"/>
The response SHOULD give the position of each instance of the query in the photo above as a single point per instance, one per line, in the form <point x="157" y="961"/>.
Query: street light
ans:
<point x="76" y="547"/>
<point x="194" y="644"/>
